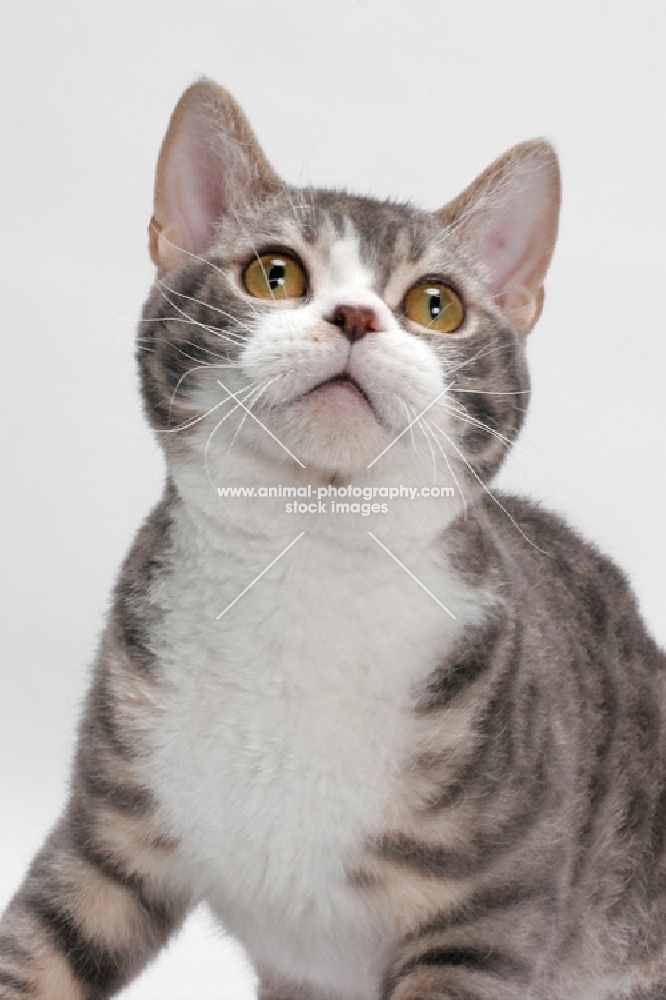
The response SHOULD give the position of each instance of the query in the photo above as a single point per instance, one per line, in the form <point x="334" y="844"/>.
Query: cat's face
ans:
<point x="297" y="327"/>
<point x="348" y="273"/>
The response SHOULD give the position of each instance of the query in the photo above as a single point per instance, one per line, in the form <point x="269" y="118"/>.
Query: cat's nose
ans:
<point x="355" y="321"/>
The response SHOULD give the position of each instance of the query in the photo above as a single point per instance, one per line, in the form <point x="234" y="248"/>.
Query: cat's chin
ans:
<point x="334" y="427"/>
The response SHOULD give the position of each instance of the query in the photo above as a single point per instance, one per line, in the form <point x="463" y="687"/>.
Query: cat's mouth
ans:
<point x="346" y="382"/>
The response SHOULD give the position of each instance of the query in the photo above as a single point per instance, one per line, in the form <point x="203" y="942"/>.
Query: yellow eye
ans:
<point x="275" y="276"/>
<point x="435" y="306"/>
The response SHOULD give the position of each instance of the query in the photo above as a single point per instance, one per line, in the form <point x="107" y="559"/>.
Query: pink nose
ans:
<point x="355" y="321"/>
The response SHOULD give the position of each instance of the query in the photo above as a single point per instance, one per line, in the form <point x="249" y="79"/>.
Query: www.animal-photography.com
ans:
<point x="333" y="611"/>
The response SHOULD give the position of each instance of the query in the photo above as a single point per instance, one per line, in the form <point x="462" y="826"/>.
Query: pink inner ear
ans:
<point x="191" y="193"/>
<point x="517" y="233"/>
<point x="505" y="246"/>
<point x="200" y="205"/>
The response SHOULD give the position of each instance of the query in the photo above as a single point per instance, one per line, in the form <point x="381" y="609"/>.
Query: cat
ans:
<point x="410" y="748"/>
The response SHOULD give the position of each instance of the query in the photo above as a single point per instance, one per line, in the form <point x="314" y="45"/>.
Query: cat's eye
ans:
<point x="275" y="276"/>
<point x="435" y="306"/>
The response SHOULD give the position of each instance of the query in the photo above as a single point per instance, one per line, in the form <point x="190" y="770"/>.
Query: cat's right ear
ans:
<point x="209" y="162"/>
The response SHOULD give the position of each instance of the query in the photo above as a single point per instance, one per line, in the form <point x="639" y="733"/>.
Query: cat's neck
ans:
<point x="256" y="498"/>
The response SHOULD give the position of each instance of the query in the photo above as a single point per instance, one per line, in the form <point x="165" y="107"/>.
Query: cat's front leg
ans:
<point x="99" y="899"/>
<point x="458" y="973"/>
<point x="85" y="922"/>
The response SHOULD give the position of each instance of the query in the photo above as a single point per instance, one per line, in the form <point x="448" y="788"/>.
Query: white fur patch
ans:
<point x="286" y="722"/>
<point x="345" y="266"/>
<point x="283" y="727"/>
<point x="347" y="282"/>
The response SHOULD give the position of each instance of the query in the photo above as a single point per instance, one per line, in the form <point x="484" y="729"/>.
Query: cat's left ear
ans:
<point x="506" y="221"/>
<point x="210" y="162"/>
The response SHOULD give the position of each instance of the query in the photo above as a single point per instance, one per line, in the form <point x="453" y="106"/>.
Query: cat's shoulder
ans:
<point x="534" y="530"/>
<point x="522" y="541"/>
<point x="548" y="560"/>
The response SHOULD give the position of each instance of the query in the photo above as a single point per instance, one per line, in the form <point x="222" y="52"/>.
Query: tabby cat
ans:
<point x="404" y="739"/>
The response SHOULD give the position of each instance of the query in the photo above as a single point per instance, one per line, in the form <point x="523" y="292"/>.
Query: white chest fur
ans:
<point x="284" y="723"/>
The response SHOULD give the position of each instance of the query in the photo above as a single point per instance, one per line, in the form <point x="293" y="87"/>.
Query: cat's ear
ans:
<point x="210" y="161"/>
<point x="506" y="221"/>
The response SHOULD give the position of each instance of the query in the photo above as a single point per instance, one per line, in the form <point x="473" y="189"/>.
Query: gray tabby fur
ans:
<point x="525" y="860"/>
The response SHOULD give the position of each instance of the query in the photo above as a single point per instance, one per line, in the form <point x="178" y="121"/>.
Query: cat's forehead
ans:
<point x="383" y="228"/>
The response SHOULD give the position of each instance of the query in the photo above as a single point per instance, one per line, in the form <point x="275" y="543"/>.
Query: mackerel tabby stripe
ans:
<point x="94" y="966"/>
<point x="462" y="968"/>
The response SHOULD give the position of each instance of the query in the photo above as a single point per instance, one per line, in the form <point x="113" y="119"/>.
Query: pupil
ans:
<point x="276" y="275"/>
<point x="435" y="305"/>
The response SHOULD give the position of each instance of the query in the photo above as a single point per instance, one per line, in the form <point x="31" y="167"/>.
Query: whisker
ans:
<point x="195" y="420"/>
<point x="409" y="420"/>
<point x="187" y="253"/>
<point x="203" y="260"/>
<point x="459" y="410"/>
<point x="288" y="192"/>
<point x="189" y="372"/>
<point x="186" y="320"/>
<point x="235" y="407"/>
<point x="474" y="421"/>
<point x="237" y="339"/>
<point x="186" y="424"/>
<point x="484" y="352"/>
<point x="487" y="392"/>
<point x="432" y="453"/>
<point x="255" y="400"/>
<point x="188" y="343"/>
<point x="450" y="468"/>
<point x="490" y="493"/>
<point x="207" y="305"/>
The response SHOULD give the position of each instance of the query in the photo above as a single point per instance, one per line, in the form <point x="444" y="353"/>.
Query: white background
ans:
<point x="409" y="99"/>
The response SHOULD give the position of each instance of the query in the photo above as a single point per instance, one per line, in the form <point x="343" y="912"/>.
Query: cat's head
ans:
<point x="293" y="328"/>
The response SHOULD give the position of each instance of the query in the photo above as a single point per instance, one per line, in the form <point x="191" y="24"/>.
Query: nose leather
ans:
<point x="355" y="321"/>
